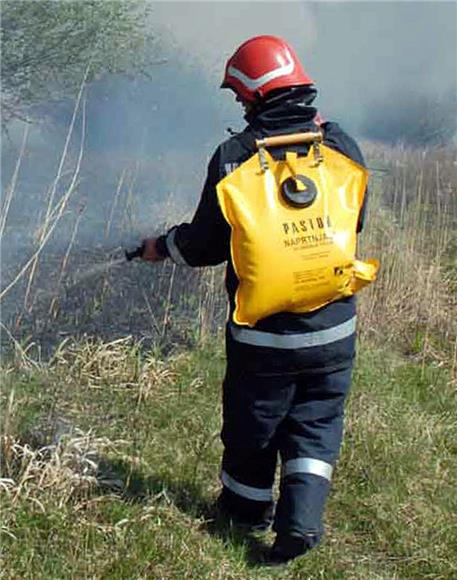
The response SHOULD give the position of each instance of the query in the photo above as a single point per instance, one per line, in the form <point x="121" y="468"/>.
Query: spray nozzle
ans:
<point x="138" y="253"/>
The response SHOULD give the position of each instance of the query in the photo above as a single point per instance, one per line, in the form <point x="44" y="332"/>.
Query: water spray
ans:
<point x="99" y="268"/>
<point x="105" y="266"/>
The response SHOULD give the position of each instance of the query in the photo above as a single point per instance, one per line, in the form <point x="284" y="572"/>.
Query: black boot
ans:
<point x="250" y="516"/>
<point x="288" y="547"/>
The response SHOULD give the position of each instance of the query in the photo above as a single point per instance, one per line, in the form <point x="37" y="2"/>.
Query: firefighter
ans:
<point x="288" y="376"/>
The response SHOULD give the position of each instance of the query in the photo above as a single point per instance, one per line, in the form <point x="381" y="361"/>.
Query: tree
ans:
<point x="49" y="47"/>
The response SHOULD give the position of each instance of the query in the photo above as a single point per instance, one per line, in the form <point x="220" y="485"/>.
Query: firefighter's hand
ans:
<point x="150" y="253"/>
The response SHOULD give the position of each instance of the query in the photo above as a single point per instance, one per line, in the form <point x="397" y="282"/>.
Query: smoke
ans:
<point x="384" y="70"/>
<point x="364" y="56"/>
<point x="205" y="34"/>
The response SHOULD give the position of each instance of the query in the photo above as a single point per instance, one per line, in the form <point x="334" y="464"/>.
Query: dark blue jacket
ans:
<point x="320" y="341"/>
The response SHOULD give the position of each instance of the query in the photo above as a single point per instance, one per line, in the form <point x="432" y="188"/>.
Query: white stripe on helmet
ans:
<point x="253" y="84"/>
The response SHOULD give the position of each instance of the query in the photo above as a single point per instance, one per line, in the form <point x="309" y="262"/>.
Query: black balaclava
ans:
<point x="292" y="101"/>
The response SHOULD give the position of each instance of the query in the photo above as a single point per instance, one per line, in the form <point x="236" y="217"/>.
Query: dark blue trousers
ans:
<point x="296" y="417"/>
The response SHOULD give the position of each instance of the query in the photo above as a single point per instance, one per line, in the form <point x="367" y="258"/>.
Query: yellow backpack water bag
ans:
<point x="293" y="228"/>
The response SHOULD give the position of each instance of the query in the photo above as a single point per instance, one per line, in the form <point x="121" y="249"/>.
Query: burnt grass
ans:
<point x="100" y="294"/>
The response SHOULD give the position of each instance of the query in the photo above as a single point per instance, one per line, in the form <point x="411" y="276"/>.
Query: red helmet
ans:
<point x="261" y="64"/>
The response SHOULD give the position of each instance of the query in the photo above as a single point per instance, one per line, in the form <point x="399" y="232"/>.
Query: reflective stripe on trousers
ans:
<point x="307" y="465"/>
<point x="293" y="341"/>
<point x="246" y="491"/>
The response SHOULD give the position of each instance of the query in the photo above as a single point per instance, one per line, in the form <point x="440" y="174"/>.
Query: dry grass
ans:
<point x="68" y="467"/>
<point x="411" y="228"/>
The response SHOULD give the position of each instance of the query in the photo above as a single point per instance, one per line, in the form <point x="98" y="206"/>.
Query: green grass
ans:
<point x="154" y="430"/>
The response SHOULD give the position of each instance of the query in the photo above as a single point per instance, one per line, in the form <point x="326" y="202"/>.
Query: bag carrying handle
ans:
<point x="292" y="139"/>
